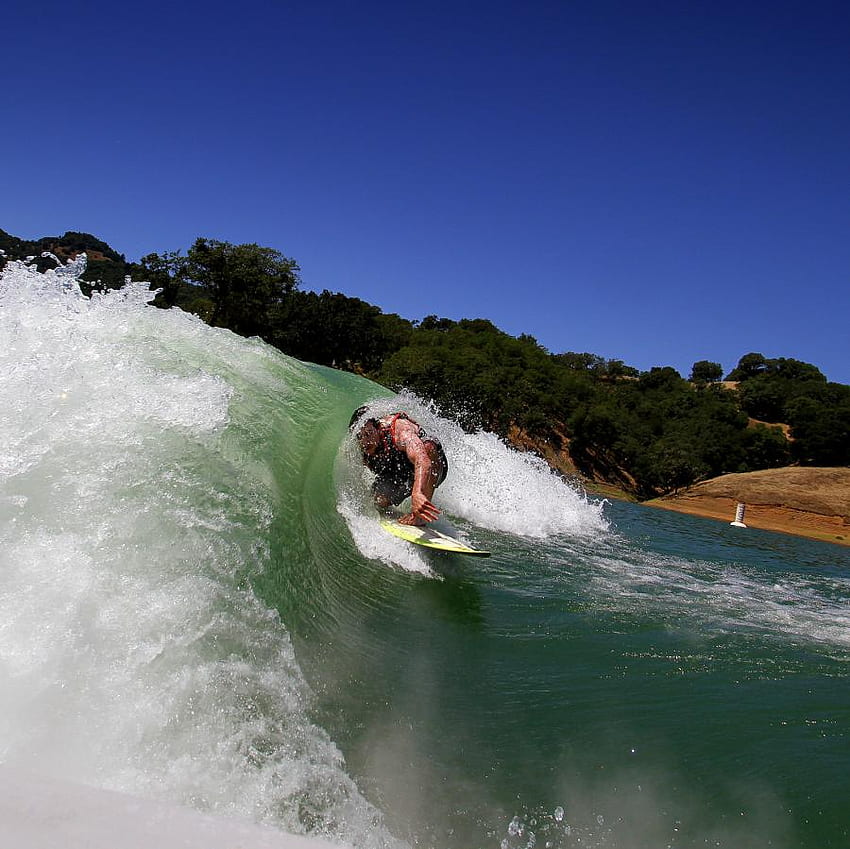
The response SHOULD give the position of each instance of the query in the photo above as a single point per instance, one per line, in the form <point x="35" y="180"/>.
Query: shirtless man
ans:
<point x="406" y="462"/>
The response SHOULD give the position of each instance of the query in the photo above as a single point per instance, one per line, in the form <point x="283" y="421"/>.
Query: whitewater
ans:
<point x="198" y="608"/>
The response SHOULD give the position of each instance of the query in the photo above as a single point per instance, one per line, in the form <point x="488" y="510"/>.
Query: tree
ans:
<point x="704" y="371"/>
<point x="481" y="375"/>
<point x="592" y="363"/>
<point x="595" y="365"/>
<point x="670" y="464"/>
<point x="748" y="366"/>
<point x="764" y="397"/>
<point x="765" y="448"/>
<point x="431" y="322"/>
<point x="244" y="282"/>
<point x="766" y="394"/>
<point x="164" y="271"/>
<point x="664" y="377"/>
<point x="821" y="429"/>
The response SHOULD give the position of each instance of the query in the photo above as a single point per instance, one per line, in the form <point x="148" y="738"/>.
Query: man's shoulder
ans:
<point x="407" y="424"/>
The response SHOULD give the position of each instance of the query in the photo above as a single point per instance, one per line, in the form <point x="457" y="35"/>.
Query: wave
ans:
<point x="174" y="501"/>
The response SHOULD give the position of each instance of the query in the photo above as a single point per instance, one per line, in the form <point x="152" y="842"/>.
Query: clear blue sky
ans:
<point x="653" y="182"/>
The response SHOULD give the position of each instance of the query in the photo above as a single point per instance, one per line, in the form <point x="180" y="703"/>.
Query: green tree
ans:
<point x="593" y="364"/>
<point x="244" y="282"/>
<point x="821" y="428"/>
<point x="335" y="330"/>
<point x="763" y="397"/>
<point x="431" y="322"/>
<point x="704" y="371"/>
<point x="480" y="375"/>
<point x="750" y="365"/>
<point x="766" y="394"/>
<point x="670" y="464"/>
<point x="166" y="272"/>
<point x="765" y="448"/>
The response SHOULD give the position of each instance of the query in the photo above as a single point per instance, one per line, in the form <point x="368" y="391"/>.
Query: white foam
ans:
<point x="36" y="812"/>
<point x="718" y="597"/>
<point x="133" y="653"/>
<point x="375" y="543"/>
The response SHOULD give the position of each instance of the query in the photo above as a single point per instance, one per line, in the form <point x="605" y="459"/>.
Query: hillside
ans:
<point x="810" y="502"/>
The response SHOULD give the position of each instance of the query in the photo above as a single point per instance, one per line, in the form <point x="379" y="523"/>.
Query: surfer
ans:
<point x="406" y="461"/>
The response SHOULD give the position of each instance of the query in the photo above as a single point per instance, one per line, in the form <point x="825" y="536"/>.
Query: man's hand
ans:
<point x="423" y="511"/>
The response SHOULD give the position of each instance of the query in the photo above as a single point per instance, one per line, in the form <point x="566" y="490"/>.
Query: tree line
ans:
<point x="649" y="432"/>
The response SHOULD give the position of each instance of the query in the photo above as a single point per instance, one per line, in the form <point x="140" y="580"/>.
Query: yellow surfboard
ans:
<point x="429" y="538"/>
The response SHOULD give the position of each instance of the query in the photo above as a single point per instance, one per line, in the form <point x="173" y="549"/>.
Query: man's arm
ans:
<point x="407" y="438"/>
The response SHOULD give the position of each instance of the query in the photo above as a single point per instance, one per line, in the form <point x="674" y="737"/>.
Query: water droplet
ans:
<point x="600" y="819"/>
<point x="558" y="814"/>
<point x="514" y="827"/>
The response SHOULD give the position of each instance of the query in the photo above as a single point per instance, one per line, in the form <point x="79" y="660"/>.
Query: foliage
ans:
<point x="797" y="393"/>
<point x="244" y="282"/>
<point x="335" y="330"/>
<point x="484" y="377"/>
<point x="704" y="371"/>
<point x="766" y="447"/>
<point x="667" y="432"/>
<point x="766" y="394"/>
<point x="750" y="365"/>
<point x="820" y="427"/>
<point x="164" y="272"/>
<point x="596" y="365"/>
<point x="12" y="248"/>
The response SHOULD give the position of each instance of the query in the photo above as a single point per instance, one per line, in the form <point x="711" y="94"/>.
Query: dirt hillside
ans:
<point x="810" y="502"/>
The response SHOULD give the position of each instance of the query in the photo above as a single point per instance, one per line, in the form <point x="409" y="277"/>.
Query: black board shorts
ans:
<point x="396" y="487"/>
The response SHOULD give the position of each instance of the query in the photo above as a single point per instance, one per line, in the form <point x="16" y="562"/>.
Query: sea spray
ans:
<point x="134" y="519"/>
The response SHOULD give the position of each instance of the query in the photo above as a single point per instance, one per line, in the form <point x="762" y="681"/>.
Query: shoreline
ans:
<point x="783" y="520"/>
<point x="813" y="503"/>
<point x="801" y="501"/>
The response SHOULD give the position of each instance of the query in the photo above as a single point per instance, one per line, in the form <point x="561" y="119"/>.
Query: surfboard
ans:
<point x="430" y="538"/>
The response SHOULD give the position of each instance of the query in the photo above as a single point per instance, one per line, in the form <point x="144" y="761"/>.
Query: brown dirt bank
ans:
<point x="809" y="502"/>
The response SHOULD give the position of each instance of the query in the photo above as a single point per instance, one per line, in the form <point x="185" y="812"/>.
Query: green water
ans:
<point x="197" y="604"/>
<point x="669" y="685"/>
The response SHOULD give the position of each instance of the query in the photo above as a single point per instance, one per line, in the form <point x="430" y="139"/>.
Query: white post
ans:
<point x="739" y="516"/>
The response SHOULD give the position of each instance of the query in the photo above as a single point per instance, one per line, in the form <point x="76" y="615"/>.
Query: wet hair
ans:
<point x="357" y="415"/>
